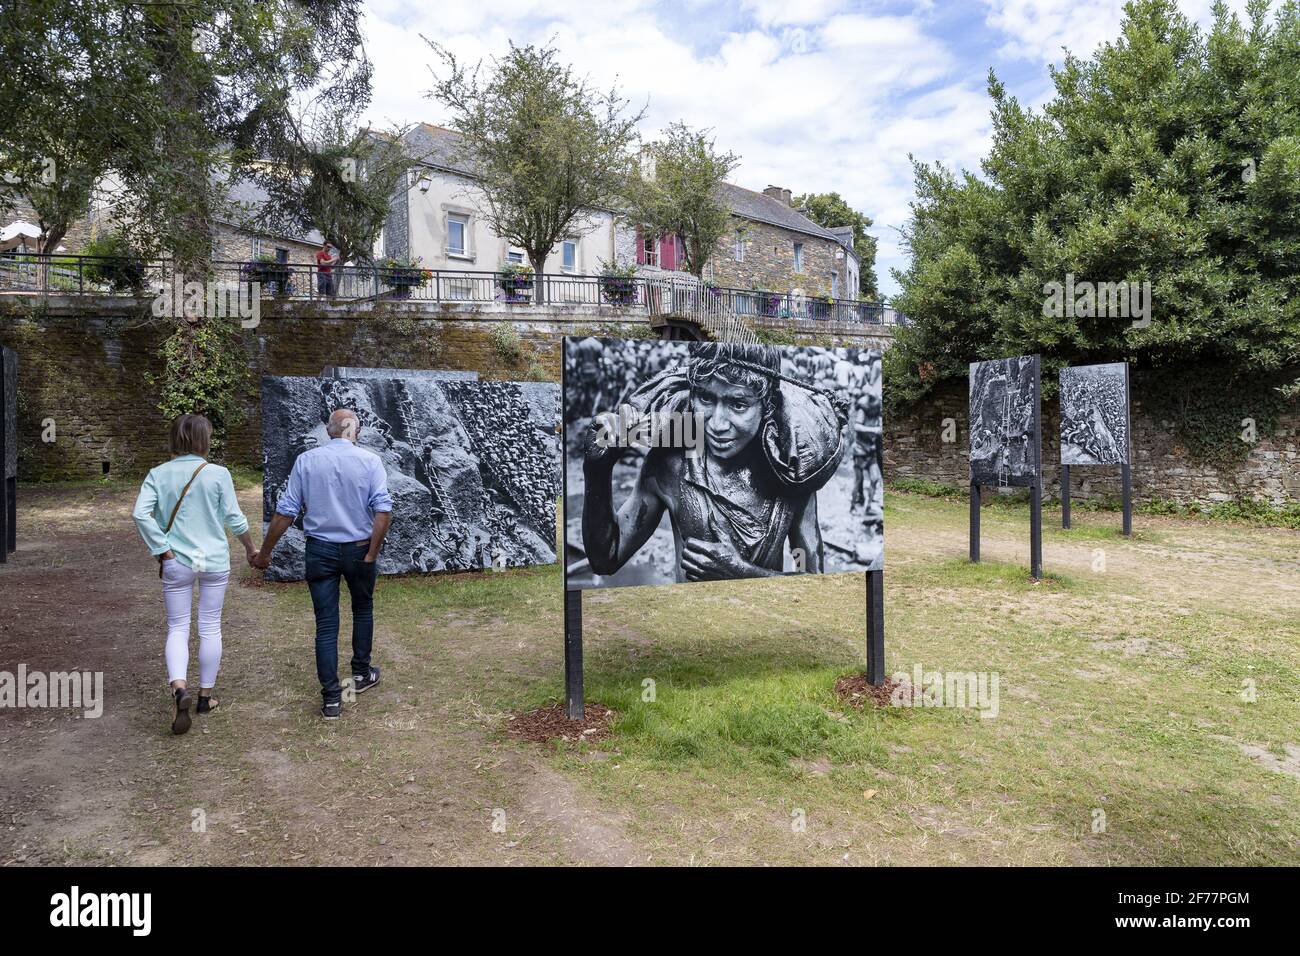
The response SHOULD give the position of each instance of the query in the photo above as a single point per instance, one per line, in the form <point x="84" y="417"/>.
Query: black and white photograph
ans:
<point x="1005" y="427"/>
<point x="1095" y="415"/>
<point x="473" y="466"/>
<point x="438" y="374"/>
<point x="691" y="461"/>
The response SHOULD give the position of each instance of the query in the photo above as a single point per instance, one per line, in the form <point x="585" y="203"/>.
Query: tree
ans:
<point x="169" y="98"/>
<point x="1170" y="157"/>
<point x="332" y="176"/>
<point x="58" y="93"/>
<point x="546" y="149"/>
<point x="675" y="191"/>
<point x="831" y="210"/>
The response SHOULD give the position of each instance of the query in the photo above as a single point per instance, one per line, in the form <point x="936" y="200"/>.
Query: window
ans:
<point x="738" y="247"/>
<point x="515" y="256"/>
<point x="650" y="251"/>
<point x="569" y="256"/>
<point x="378" y="249"/>
<point x="798" y="257"/>
<point x="281" y="255"/>
<point x="457" y="234"/>
<point x="255" y="248"/>
<point x="835" y="285"/>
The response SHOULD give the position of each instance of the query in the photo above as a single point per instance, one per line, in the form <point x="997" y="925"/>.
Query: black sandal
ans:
<point x="207" y="704"/>
<point x="181" y="722"/>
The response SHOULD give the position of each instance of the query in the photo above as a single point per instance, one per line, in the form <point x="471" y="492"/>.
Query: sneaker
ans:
<point x="181" y="721"/>
<point x="363" y="682"/>
<point x="331" y="709"/>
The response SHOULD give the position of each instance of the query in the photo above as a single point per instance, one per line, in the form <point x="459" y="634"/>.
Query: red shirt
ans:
<point x="320" y="259"/>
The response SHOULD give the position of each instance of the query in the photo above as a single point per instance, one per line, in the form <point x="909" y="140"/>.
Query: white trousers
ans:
<point x="178" y="596"/>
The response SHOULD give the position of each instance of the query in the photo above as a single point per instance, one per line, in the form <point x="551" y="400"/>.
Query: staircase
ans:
<point x="689" y="300"/>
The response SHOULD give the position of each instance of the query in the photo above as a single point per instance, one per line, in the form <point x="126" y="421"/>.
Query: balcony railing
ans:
<point x="58" y="274"/>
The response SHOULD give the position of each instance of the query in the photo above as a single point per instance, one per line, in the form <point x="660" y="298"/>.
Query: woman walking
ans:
<point x="183" y="510"/>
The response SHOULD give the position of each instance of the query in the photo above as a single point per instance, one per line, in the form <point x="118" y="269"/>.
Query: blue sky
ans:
<point x="814" y="95"/>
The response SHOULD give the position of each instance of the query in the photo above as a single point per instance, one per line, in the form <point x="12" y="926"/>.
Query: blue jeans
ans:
<point x="326" y="562"/>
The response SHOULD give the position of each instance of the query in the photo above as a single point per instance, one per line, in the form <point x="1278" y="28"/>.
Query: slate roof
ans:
<point x="763" y="208"/>
<point x="437" y="146"/>
<point x="248" y="197"/>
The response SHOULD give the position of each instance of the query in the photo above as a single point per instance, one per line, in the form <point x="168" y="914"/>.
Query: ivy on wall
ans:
<point x="205" y="371"/>
<point x="1217" y="421"/>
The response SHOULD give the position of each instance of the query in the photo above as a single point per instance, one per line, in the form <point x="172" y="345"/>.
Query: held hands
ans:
<point x="258" y="560"/>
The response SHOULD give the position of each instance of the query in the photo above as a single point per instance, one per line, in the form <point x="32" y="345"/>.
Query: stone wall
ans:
<point x="231" y="244"/>
<point x="1162" y="469"/>
<point x="88" y="364"/>
<point x="769" y="260"/>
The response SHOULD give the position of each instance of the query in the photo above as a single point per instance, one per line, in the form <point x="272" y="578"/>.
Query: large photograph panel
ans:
<point x="1095" y="415"/>
<point x="352" y="371"/>
<point x="473" y="467"/>
<point x="706" y="461"/>
<point x="1005" y="447"/>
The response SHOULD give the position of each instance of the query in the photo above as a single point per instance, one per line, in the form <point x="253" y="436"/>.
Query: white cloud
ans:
<point x="1038" y="30"/>
<point x="811" y="99"/>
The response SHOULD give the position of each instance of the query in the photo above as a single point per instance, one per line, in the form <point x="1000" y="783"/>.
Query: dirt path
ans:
<point x="405" y="778"/>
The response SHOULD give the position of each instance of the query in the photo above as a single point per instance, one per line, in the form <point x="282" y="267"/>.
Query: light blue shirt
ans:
<point x="198" y="536"/>
<point x="341" y="487"/>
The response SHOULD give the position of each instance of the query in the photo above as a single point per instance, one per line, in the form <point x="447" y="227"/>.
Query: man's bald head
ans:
<point x="344" y="424"/>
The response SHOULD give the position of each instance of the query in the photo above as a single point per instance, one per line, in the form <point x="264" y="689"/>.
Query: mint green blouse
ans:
<point x="198" y="536"/>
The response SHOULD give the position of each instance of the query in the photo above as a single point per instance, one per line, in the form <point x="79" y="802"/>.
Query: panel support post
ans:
<point x="1065" y="496"/>
<point x="876" y="628"/>
<point x="1036" y="531"/>
<point x="573" y="653"/>
<point x="1127" y="480"/>
<point x="974" y="522"/>
<point x="7" y="510"/>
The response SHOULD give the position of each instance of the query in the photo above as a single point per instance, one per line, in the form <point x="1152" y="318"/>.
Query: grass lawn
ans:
<point x="1123" y="734"/>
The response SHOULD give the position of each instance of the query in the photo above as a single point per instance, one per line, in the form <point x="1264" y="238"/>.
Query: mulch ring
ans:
<point x="553" y="723"/>
<point x="854" y="690"/>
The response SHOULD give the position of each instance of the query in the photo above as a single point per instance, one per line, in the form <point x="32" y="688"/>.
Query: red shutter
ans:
<point x="640" y="249"/>
<point x="668" y="251"/>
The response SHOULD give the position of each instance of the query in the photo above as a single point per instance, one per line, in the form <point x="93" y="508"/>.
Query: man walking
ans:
<point x="344" y="491"/>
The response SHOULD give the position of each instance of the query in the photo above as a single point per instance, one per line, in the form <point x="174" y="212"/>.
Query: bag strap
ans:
<point x="184" y="491"/>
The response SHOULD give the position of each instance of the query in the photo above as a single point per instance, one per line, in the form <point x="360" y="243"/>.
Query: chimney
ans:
<point x="779" y="194"/>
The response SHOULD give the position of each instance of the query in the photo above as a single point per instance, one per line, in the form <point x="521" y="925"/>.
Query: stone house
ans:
<point x="437" y="217"/>
<point x="771" y="246"/>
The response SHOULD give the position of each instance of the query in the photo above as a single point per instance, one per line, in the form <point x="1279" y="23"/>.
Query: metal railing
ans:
<point x="57" y="274"/>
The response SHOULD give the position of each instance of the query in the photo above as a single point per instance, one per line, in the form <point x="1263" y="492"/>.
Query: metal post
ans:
<point x="573" y="654"/>
<point x="6" y="531"/>
<point x="1036" y="531"/>
<point x="1065" y="496"/>
<point x="875" y="628"/>
<point x="974" y="521"/>
<point x="1127" y="480"/>
<point x="573" y="691"/>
